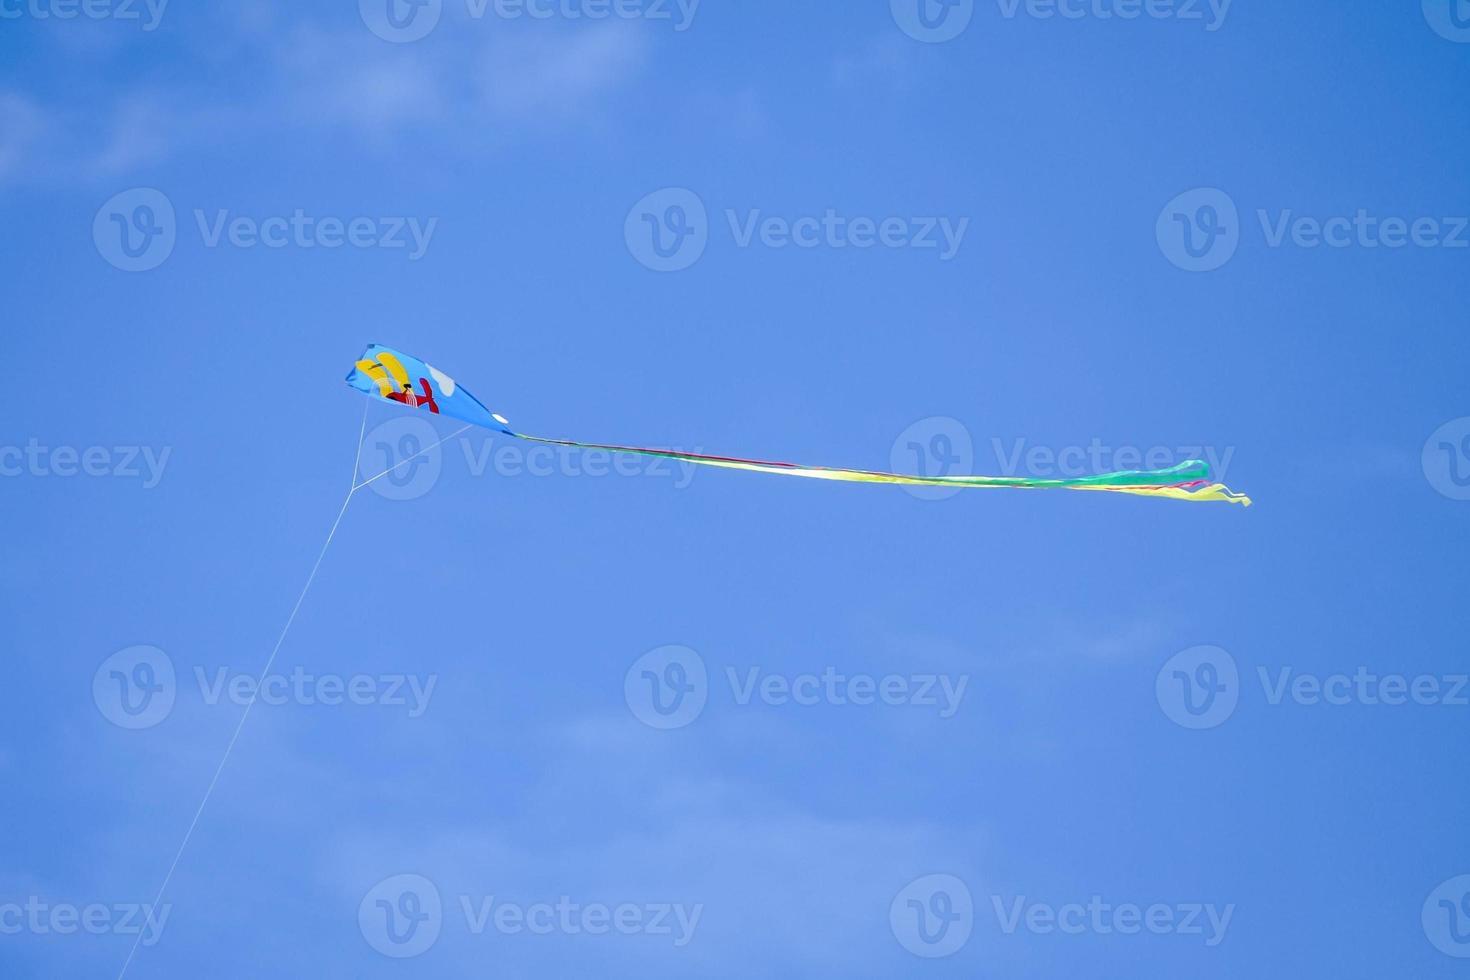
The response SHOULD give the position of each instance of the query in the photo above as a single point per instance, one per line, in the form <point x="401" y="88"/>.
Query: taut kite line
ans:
<point x="393" y="376"/>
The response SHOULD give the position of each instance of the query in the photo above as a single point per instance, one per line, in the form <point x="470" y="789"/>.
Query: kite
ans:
<point x="393" y="376"/>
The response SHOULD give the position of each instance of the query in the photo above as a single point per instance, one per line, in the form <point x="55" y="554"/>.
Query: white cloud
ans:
<point x="886" y="61"/>
<point x="624" y="814"/>
<point x="471" y="79"/>
<point x="138" y="134"/>
<point x="352" y="80"/>
<point x="475" y="86"/>
<point x="536" y="76"/>
<point x="22" y="126"/>
<point x="1121" y="640"/>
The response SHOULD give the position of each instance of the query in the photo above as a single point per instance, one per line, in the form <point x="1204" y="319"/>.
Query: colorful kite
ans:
<point x="398" y="377"/>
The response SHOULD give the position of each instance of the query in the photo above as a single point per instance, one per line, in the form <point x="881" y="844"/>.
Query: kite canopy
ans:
<point x="394" y="376"/>
<point x="385" y="373"/>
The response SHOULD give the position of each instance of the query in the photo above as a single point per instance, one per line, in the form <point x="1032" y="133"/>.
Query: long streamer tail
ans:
<point x="1186" y="481"/>
<point x="387" y="374"/>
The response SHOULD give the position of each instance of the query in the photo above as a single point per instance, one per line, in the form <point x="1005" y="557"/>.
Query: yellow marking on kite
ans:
<point x="395" y="367"/>
<point x="375" y="371"/>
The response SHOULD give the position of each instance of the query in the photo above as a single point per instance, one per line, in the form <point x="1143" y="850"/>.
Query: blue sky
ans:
<point x="538" y="716"/>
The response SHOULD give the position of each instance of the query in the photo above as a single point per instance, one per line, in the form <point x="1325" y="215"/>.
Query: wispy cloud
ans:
<point x="22" y="126"/>
<point x="885" y="61"/>
<point x="138" y="134"/>
<point x="815" y="888"/>
<point x="471" y="87"/>
<point x="347" y="79"/>
<point x="539" y="77"/>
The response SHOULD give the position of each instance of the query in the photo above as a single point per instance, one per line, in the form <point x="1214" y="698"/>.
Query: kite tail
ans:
<point x="407" y="381"/>
<point x="1186" y="481"/>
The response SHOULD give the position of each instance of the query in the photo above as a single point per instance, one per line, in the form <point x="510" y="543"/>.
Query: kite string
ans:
<point x="406" y="459"/>
<point x="245" y="715"/>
